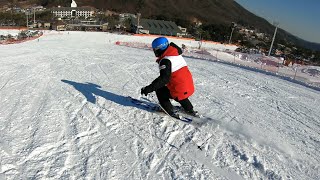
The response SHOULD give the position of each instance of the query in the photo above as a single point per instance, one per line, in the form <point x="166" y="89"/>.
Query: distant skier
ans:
<point x="175" y="80"/>
<point x="184" y="48"/>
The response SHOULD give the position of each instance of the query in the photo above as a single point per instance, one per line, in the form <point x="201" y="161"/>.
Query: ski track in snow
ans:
<point x="64" y="115"/>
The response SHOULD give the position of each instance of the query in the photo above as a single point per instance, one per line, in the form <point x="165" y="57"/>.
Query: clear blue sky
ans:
<point x="298" y="17"/>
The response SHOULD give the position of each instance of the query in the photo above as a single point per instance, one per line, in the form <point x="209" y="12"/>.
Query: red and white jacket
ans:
<point x="174" y="74"/>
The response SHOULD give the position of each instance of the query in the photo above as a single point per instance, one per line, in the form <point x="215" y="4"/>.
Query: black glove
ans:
<point x="145" y="91"/>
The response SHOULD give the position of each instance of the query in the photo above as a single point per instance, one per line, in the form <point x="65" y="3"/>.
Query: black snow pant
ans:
<point x="163" y="95"/>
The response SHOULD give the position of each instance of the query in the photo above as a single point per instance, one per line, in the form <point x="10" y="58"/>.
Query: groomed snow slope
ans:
<point x="64" y="115"/>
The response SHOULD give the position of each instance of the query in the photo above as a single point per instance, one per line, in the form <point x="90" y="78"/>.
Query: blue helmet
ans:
<point x="159" y="45"/>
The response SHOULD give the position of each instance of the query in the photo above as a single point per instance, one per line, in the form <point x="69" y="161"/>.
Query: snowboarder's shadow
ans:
<point x="90" y="91"/>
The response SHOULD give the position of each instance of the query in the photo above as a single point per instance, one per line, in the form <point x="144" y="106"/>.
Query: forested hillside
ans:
<point x="184" y="12"/>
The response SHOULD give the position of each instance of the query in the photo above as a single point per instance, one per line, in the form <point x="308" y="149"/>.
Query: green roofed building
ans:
<point x="160" y="27"/>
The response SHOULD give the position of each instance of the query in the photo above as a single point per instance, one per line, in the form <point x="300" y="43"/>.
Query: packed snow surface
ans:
<point x="64" y="114"/>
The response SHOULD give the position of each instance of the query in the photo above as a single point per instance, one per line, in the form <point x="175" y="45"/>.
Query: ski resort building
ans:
<point x="59" y="25"/>
<point x="150" y="26"/>
<point x="73" y="11"/>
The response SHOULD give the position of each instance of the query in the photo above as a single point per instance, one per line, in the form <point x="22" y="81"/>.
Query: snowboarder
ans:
<point x="175" y="80"/>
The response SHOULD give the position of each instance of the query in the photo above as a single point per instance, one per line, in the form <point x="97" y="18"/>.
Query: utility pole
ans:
<point x="34" y="16"/>
<point x="27" y="20"/>
<point x="274" y="36"/>
<point x="139" y="15"/>
<point x="233" y="27"/>
<point x="200" y="41"/>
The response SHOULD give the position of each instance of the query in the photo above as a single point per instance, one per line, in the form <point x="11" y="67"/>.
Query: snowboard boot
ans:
<point x="194" y="113"/>
<point x="176" y="115"/>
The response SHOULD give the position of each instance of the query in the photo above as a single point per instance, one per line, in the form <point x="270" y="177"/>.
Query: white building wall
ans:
<point x="69" y="13"/>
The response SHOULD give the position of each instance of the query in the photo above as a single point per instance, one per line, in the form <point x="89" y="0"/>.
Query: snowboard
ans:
<point x="146" y="104"/>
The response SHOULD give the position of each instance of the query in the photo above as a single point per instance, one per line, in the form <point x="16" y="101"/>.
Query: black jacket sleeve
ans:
<point x="177" y="47"/>
<point x="163" y="79"/>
